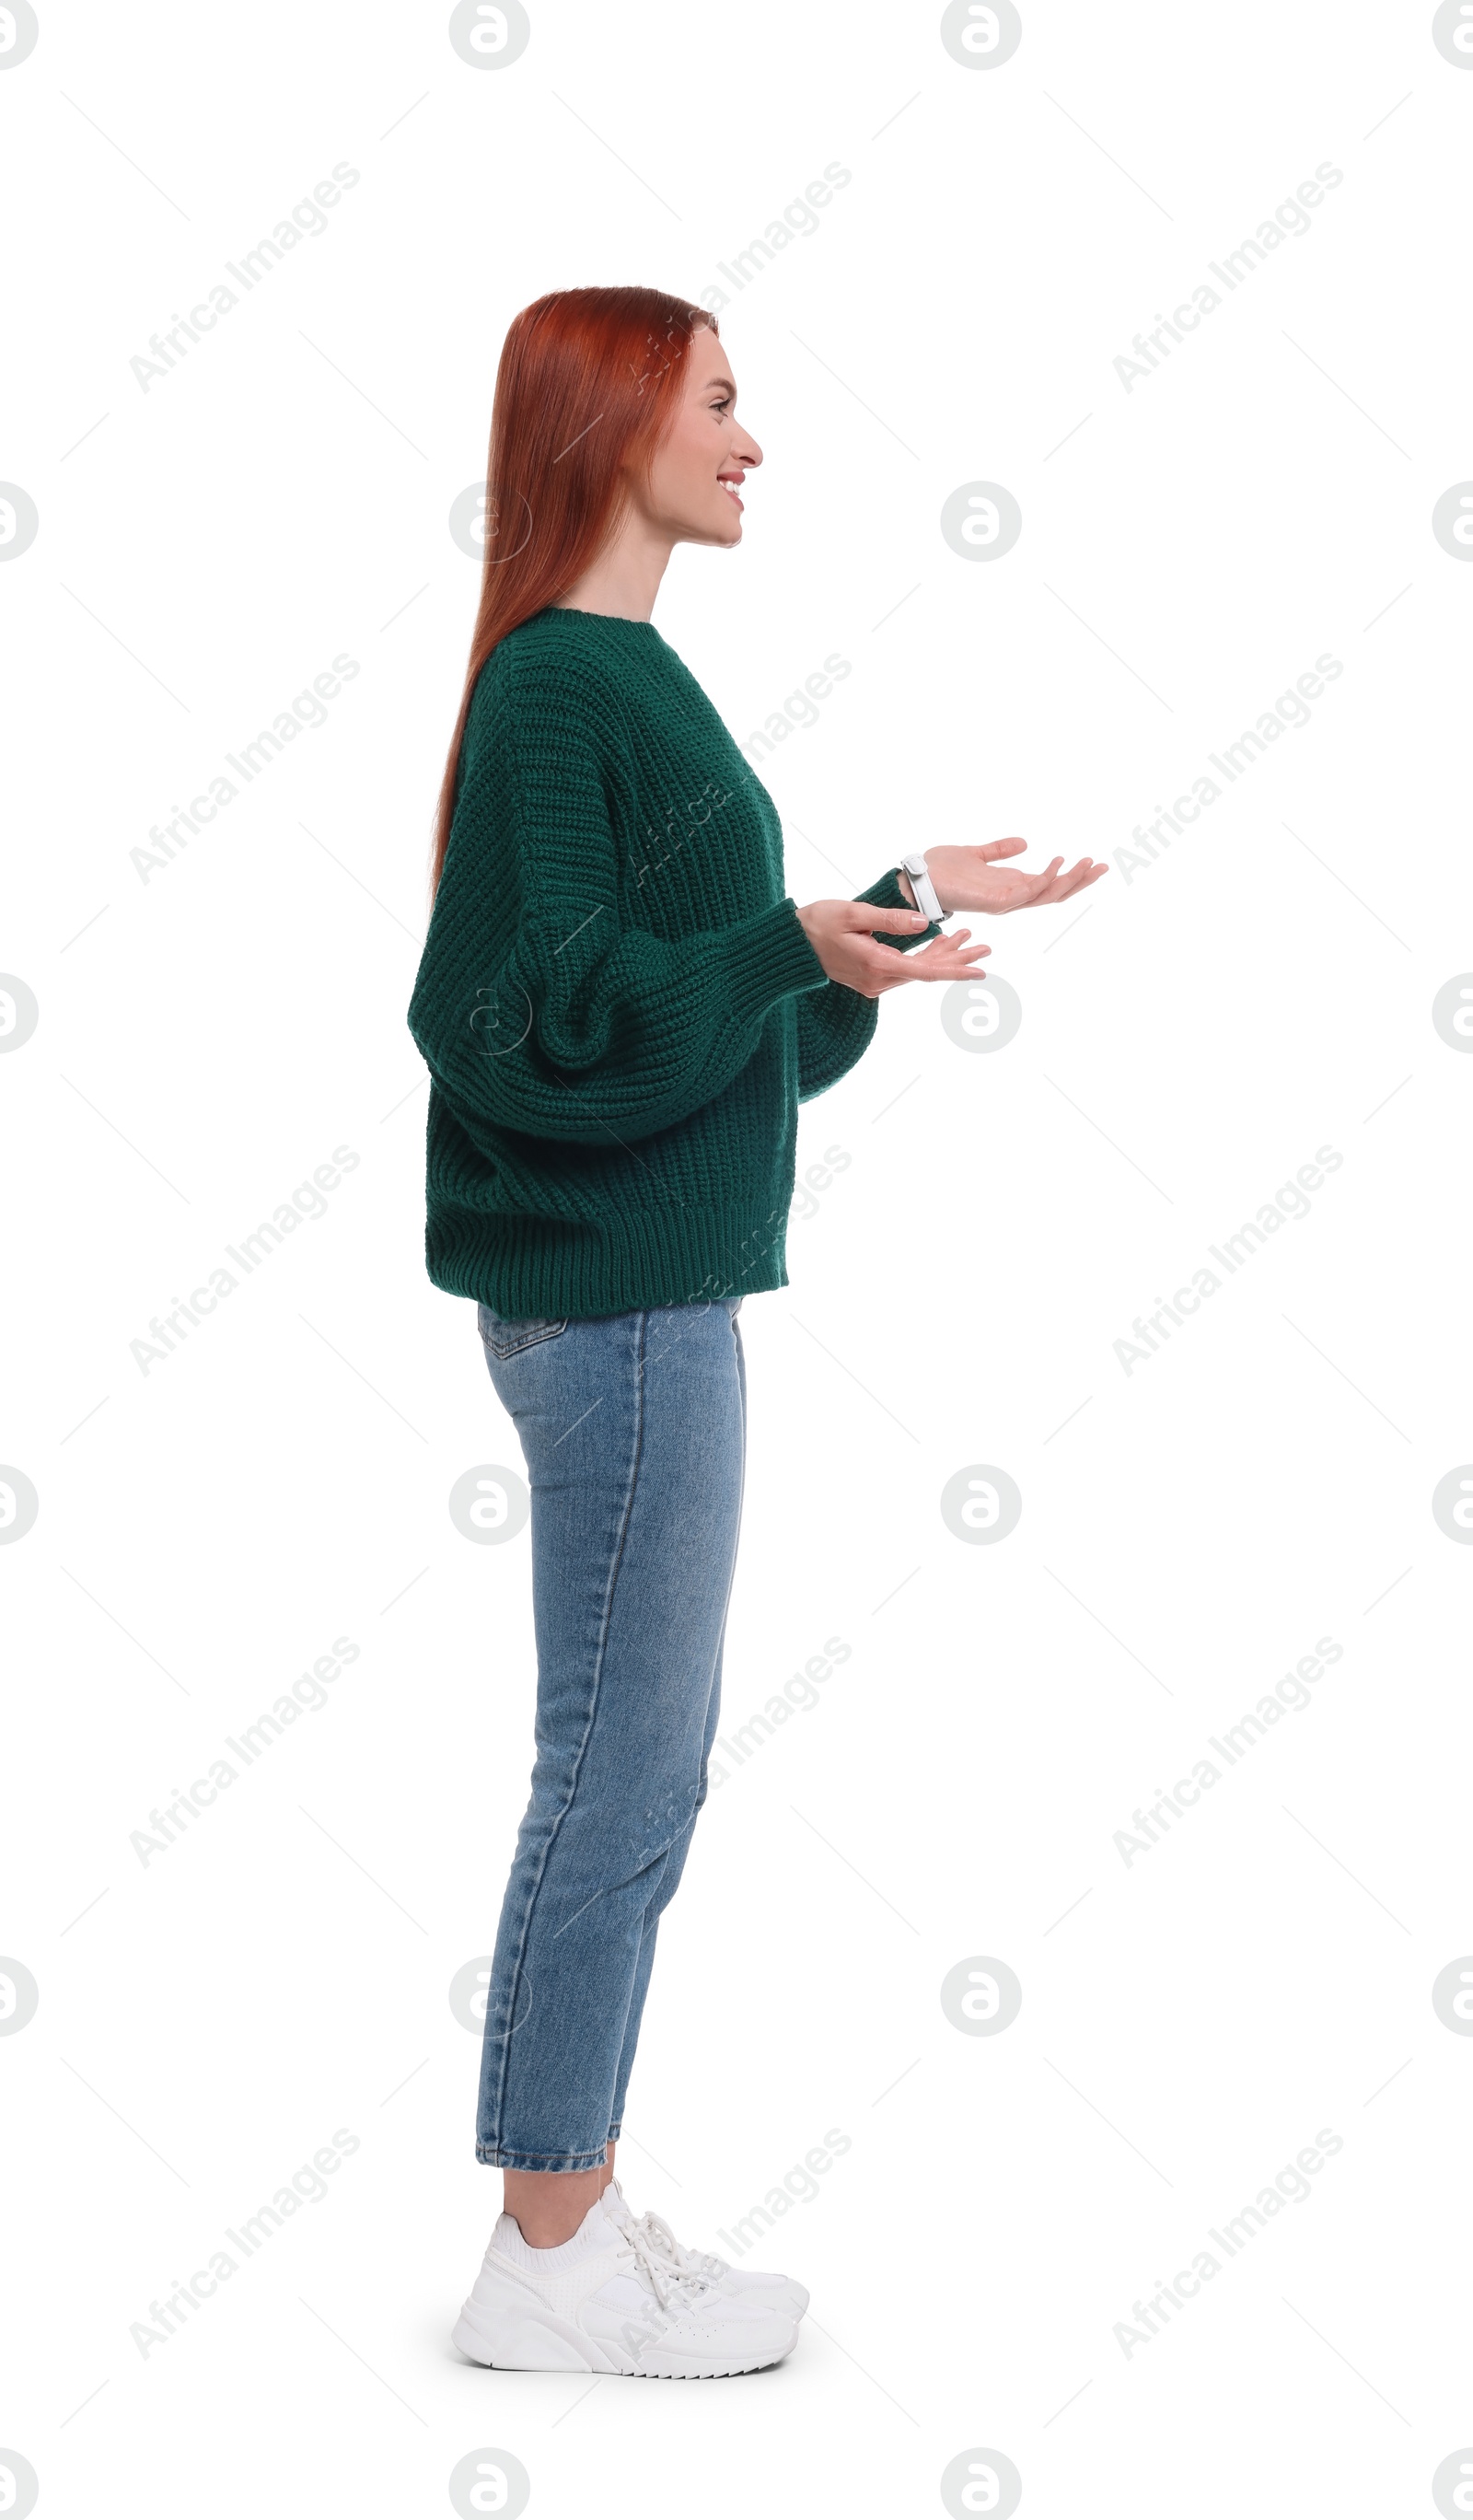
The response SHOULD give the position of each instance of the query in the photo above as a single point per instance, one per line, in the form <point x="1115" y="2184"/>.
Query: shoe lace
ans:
<point x="686" y="2262"/>
<point x="670" y="2273"/>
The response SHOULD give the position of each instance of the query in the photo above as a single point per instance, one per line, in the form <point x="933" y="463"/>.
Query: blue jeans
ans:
<point x="633" y="1431"/>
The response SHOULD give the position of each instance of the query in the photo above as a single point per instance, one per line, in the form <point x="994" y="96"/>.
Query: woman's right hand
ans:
<point x="842" y="935"/>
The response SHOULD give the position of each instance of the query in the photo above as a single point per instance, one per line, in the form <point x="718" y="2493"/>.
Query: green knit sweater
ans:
<point x="617" y="1004"/>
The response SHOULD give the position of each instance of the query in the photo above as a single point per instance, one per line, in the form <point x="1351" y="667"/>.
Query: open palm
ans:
<point x="970" y="879"/>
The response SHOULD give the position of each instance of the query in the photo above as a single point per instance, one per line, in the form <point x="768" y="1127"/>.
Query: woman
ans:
<point x="621" y="1010"/>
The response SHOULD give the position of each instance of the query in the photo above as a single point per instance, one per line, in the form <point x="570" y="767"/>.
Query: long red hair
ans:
<point x="588" y="384"/>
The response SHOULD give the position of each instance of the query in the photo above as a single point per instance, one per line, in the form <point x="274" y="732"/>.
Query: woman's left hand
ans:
<point x="972" y="879"/>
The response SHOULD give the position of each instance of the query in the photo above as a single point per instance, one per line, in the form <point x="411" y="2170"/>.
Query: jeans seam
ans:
<point x="516" y="1977"/>
<point x="721" y="1633"/>
<point x="702" y="1786"/>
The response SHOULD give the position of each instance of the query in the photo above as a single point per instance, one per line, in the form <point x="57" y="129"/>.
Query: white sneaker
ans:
<point x="740" y="2283"/>
<point x="609" y="2300"/>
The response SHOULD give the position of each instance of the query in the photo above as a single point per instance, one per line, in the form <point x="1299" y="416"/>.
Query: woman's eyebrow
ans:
<point x="724" y="381"/>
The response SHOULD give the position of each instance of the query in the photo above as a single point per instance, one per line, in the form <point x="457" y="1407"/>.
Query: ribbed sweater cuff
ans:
<point x="769" y="958"/>
<point x="886" y="894"/>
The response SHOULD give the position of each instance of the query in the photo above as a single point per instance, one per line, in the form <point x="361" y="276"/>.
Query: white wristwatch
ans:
<point x="915" y="866"/>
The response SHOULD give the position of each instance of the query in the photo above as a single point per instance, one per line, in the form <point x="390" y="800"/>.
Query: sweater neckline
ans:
<point x="573" y="612"/>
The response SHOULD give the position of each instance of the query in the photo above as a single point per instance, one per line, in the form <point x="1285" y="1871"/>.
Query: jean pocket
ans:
<point x="507" y="1339"/>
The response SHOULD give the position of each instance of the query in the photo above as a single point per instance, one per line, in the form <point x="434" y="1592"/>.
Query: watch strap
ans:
<point x="927" y="899"/>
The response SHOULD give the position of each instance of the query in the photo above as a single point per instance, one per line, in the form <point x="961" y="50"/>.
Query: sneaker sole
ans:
<point x="501" y="2341"/>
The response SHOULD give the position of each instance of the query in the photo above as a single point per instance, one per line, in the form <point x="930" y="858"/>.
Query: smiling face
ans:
<point x="694" y="490"/>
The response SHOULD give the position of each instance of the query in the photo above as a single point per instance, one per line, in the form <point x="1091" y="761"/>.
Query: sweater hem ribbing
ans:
<point x="534" y="1269"/>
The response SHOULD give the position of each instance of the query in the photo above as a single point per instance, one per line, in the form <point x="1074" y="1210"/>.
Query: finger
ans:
<point x="863" y="913"/>
<point x="962" y="966"/>
<point x="1062" y="885"/>
<point x="945" y="957"/>
<point x="1002" y="848"/>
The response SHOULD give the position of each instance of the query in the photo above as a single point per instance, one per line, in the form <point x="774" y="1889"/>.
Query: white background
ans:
<point x="1189" y="1528"/>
